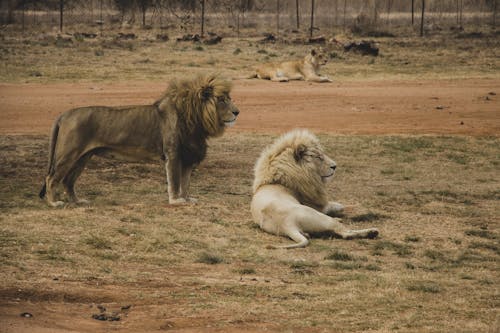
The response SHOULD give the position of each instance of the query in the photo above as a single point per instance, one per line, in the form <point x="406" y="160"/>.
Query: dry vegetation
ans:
<point x="205" y="267"/>
<point x="435" y="200"/>
<point x="43" y="57"/>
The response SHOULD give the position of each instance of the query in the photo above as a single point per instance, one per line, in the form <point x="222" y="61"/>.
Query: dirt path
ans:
<point x="468" y="107"/>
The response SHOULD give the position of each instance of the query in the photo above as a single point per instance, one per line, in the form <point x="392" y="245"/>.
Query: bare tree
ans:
<point x="312" y="19"/>
<point x="277" y="17"/>
<point x="343" y="21"/>
<point x="389" y="7"/>
<point x="203" y="18"/>
<point x="297" y="13"/>
<point x="144" y="5"/>
<point x="61" y="11"/>
<point x="413" y="12"/>
<point x="422" y="19"/>
<point x="494" y="13"/>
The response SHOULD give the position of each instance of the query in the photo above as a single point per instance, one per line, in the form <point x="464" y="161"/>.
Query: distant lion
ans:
<point x="289" y="192"/>
<point x="304" y="69"/>
<point x="174" y="129"/>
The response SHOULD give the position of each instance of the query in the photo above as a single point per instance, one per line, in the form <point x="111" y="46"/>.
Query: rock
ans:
<point x="364" y="48"/>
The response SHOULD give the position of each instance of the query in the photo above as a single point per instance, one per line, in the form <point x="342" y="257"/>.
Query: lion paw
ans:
<point x="372" y="233"/>
<point x="177" y="201"/>
<point x="82" y="202"/>
<point x="57" y="203"/>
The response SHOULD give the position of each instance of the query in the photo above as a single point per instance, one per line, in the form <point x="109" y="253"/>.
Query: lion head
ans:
<point x="317" y="57"/>
<point x="202" y="104"/>
<point x="298" y="162"/>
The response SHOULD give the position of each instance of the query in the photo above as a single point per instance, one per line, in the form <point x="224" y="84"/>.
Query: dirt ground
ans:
<point x="465" y="107"/>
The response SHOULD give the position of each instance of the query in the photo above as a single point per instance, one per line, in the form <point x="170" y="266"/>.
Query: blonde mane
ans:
<point x="196" y="102"/>
<point x="278" y="164"/>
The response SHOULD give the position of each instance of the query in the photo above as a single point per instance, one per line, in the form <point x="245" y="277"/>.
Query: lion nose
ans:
<point x="236" y="112"/>
<point x="333" y="167"/>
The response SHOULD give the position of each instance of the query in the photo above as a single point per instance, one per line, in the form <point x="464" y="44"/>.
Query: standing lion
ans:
<point x="290" y="193"/>
<point x="174" y="129"/>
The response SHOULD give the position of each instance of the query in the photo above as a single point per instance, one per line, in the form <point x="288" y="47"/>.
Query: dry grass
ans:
<point x="39" y="57"/>
<point x="433" y="269"/>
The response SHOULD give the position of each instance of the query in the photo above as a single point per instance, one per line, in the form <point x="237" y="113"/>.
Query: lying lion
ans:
<point x="174" y="129"/>
<point x="304" y="69"/>
<point x="290" y="194"/>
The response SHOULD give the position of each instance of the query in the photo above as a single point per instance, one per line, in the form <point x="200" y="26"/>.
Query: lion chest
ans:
<point x="192" y="152"/>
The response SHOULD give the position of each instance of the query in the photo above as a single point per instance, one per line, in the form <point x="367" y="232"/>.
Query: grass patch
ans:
<point x="209" y="258"/>
<point x="340" y="256"/>
<point x="246" y="271"/>
<point x="481" y="233"/>
<point x="397" y="248"/>
<point x="97" y="242"/>
<point x="424" y="286"/>
<point x="368" y="217"/>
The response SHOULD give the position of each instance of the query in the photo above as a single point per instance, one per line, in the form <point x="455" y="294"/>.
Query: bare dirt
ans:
<point x="465" y="107"/>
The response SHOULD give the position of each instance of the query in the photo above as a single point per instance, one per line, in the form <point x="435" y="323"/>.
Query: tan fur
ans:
<point x="304" y="69"/>
<point x="290" y="190"/>
<point x="174" y="129"/>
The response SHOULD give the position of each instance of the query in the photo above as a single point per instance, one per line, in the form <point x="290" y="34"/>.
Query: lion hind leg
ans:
<point x="296" y="76"/>
<point x="51" y="185"/>
<point x="296" y="235"/>
<point x="70" y="179"/>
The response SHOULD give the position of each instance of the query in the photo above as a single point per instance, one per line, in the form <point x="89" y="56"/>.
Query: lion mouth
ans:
<point x="229" y="123"/>
<point x="328" y="176"/>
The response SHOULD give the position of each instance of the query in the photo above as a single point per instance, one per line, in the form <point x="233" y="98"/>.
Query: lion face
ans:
<point x="318" y="57"/>
<point x="318" y="162"/>
<point x="226" y="110"/>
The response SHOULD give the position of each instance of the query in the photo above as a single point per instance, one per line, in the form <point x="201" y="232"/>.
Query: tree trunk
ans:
<point x="422" y="19"/>
<point x="312" y="19"/>
<point x="61" y="11"/>
<point x="22" y="17"/>
<point x="412" y="12"/>
<point x="495" y="13"/>
<point x="297" y="13"/>
<point x="143" y="16"/>
<point x="345" y="7"/>
<point x="203" y="18"/>
<point x="277" y="18"/>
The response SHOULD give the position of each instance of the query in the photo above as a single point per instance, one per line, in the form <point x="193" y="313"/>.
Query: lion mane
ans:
<point x="195" y="102"/>
<point x="175" y="129"/>
<point x="279" y="164"/>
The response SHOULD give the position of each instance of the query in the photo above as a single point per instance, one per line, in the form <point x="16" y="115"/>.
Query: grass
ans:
<point x="435" y="199"/>
<point x="35" y="57"/>
<point x="436" y="258"/>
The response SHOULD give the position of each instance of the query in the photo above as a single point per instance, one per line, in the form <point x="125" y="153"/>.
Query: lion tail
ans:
<point x="52" y="147"/>
<point x="252" y="76"/>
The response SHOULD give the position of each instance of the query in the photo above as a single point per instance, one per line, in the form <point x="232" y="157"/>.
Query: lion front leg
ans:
<point x="184" y="184"/>
<point x="333" y="208"/>
<point x="174" y="175"/>
<point x="318" y="78"/>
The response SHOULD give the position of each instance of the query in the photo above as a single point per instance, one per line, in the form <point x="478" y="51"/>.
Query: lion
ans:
<point x="304" y="69"/>
<point x="174" y="129"/>
<point x="289" y="192"/>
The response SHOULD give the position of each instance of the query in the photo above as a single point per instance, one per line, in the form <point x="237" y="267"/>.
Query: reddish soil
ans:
<point x="466" y="107"/>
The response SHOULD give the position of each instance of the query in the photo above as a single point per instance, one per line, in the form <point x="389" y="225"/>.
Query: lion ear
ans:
<point x="207" y="93"/>
<point x="299" y="152"/>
